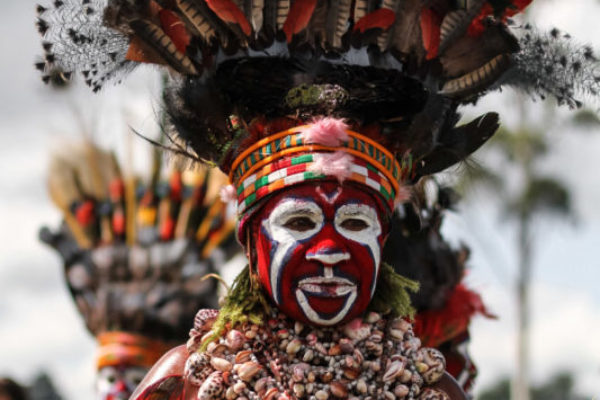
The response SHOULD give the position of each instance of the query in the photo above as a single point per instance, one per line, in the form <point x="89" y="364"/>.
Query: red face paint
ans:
<point x="318" y="251"/>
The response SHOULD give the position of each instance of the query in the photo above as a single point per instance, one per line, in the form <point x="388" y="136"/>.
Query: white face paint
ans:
<point x="360" y="223"/>
<point x="298" y="223"/>
<point x="278" y="229"/>
<point x="118" y="383"/>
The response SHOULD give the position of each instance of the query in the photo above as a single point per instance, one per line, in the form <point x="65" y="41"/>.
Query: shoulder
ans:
<point x="165" y="381"/>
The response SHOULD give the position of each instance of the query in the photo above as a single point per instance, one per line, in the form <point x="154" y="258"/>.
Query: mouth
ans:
<point x="326" y="286"/>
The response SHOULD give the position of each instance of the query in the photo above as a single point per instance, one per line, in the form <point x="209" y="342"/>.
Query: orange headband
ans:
<point x="121" y="348"/>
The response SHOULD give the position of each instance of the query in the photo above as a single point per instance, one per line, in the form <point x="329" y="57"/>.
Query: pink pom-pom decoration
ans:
<point x="336" y="164"/>
<point x="327" y="132"/>
<point x="228" y="194"/>
<point x="403" y="195"/>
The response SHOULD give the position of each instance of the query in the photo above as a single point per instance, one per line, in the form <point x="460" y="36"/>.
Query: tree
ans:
<point x="524" y="192"/>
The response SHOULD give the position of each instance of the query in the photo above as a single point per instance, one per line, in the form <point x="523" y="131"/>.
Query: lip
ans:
<point x="326" y="286"/>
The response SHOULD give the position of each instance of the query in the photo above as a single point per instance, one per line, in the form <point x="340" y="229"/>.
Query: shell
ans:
<point x="293" y="347"/>
<point x="230" y="394"/>
<point x="372" y="317"/>
<point x="204" y="319"/>
<point x="308" y="356"/>
<point x="401" y="325"/>
<point x="356" y="330"/>
<point x="395" y="369"/>
<point x="260" y="386"/>
<point x="243" y="356"/>
<point x="248" y="370"/>
<point x="433" y="394"/>
<point x="220" y="364"/>
<point x="321" y="395"/>
<point x="235" y="340"/>
<point x="401" y="391"/>
<point x="346" y="345"/>
<point x="361" y="386"/>
<point x="338" y="389"/>
<point x="298" y="390"/>
<point x="197" y="368"/>
<point x="435" y="362"/>
<point x="212" y="388"/>
<point x="239" y="387"/>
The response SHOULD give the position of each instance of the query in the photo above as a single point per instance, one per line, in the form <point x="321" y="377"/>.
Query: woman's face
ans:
<point x="318" y="251"/>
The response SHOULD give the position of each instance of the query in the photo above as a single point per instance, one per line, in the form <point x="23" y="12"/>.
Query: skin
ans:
<point x="318" y="251"/>
<point x="118" y="382"/>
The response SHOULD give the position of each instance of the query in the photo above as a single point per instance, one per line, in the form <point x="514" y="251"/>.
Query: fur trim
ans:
<point x="336" y="164"/>
<point x="228" y="194"/>
<point x="327" y="132"/>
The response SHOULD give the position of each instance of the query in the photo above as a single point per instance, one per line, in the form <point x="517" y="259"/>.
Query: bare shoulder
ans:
<point x="165" y="380"/>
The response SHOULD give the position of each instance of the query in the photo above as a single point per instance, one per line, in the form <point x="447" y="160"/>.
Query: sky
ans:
<point x="40" y="328"/>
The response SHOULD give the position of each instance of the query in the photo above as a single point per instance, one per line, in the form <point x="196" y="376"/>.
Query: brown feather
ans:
<point x="477" y="80"/>
<point x="406" y="36"/>
<point x="361" y="8"/>
<point x="455" y="24"/>
<point x="469" y="53"/>
<point x="384" y="37"/>
<point x="158" y="40"/>
<point x="195" y="20"/>
<point x="337" y="22"/>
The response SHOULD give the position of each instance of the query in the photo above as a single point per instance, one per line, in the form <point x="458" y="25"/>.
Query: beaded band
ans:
<point x="285" y="159"/>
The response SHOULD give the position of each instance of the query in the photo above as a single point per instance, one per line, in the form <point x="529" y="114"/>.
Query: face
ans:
<point x="318" y="251"/>
<point x="118" y="383"/>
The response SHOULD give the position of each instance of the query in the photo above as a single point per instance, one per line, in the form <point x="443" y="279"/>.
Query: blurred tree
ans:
<point x="559" y="387"/>
<point x="42" y="388"/>
<point x="523" y="199"/>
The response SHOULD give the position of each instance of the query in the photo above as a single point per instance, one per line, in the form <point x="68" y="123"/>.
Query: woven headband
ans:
<point x="286" y="158"/>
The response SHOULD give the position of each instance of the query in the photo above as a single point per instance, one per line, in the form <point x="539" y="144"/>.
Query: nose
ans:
<point x="328" y="258"/>
<point x="327" y="251"/>
<point x="120" y="389"/>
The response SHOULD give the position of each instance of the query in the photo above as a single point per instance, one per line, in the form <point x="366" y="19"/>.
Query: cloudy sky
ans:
<point x="40" y="329"/>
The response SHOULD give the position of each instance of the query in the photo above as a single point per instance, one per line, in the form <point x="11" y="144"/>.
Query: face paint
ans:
<point x="318" y="251"/>
<point x="118" y="383"/>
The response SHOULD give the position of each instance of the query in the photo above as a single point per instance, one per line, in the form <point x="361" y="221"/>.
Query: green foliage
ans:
<point x="587" y="119"/>
<point x="391" y="294"/>
<point x="499" y="391"/>
<point x="245" y="302"/>
<point x="542" y="194"/>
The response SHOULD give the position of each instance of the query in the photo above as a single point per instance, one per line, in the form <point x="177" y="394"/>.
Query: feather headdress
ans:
<point x="394" y="70"/>
<point x="136" y="255"/>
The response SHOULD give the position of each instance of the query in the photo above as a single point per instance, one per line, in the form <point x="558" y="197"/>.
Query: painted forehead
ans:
<point x="327" y="195"/>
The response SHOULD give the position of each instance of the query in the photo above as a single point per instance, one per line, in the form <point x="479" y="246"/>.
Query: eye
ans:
<point x="354" y="224"/>
<point x="300" y="224"/>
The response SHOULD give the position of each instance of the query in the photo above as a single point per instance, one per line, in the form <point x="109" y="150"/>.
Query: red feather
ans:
<point x="382" y="18"/>
<point x="175" y="29"/>
<point x="229" y="12"/>
<point x="435" y="327"/>
<point x="477" y="27"/>
<point x="430" y="31"/>
<point x="298" y="18"/>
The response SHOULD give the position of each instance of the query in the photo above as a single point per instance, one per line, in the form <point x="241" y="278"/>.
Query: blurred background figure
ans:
<point x="138" y="257"/>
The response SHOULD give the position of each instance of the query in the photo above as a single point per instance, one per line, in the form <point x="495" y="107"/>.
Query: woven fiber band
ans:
<point x="291" y="141"/>
<point x="284" y="159"/>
